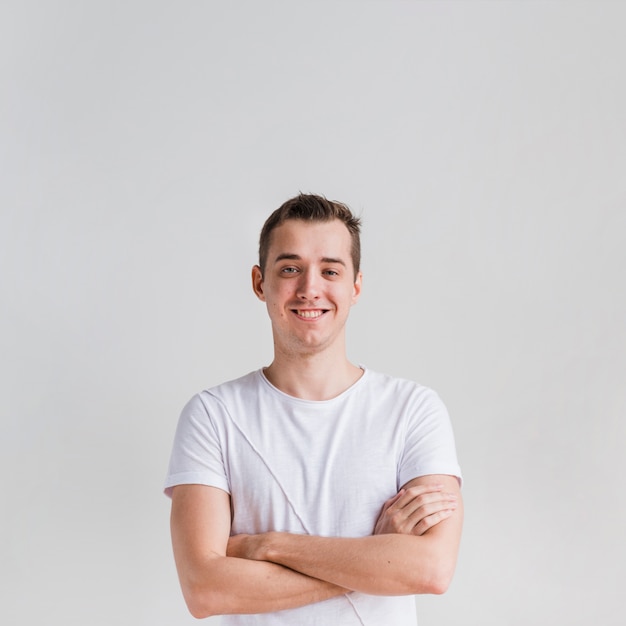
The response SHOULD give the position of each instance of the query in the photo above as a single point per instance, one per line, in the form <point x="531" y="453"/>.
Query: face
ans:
<point x="309" y="285"/>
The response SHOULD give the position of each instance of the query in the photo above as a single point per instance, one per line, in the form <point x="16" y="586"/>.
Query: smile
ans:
<point x="309" y="314"/>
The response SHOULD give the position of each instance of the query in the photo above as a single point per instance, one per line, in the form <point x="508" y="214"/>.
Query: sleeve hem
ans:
<point x="427" y="471"/>
<point x="194" y="478"/>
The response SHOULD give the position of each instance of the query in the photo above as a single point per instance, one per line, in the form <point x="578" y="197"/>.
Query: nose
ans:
<point x="308" y="286"/>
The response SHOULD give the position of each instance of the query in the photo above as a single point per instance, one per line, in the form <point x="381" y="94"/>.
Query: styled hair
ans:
<point x="312" y="208"/>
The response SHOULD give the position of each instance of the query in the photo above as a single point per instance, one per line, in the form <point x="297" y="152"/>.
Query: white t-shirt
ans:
<point x="314" y="467"/>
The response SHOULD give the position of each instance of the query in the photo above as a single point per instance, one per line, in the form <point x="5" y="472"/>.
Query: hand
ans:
<point x="249" y="547"/>
<point x="414" y="510"/>
<point x="239" y="546"/>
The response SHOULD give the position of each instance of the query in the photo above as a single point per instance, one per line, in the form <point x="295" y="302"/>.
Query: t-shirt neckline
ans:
<point x="343" y="394"/>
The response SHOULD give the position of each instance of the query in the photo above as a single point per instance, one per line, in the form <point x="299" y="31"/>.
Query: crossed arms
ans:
<point x="412" y="550"/>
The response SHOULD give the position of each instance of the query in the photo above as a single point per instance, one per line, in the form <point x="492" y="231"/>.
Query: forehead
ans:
<point x="311" y="239"/>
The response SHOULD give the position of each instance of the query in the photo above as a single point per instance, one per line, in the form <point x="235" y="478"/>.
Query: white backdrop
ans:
<point x="142" y="146"/>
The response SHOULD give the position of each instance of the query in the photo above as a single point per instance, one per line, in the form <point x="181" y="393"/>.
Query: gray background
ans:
<point x="144" y="143"/>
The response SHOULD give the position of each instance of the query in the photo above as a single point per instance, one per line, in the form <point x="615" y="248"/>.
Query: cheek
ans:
<point x="276" y="311"/>
<point x="346" y="298"/>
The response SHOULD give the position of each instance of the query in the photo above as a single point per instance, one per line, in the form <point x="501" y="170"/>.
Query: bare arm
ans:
<point x="216" y="584"/>
<point x="381" y="564"/>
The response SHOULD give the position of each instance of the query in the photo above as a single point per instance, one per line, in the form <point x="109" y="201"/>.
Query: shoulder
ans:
<point x="237" y="385"/>
<point x="215" y="400"/>
<point x="230" y="389"/>
<point x="385" y="385"/>
<point x="410" y="401"/>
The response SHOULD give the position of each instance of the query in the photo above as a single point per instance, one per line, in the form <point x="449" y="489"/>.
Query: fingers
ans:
<point x="415" y="510"/>
<point x="415" y="498"/>
<point x="393" y="499"/>
<point x="431" y="520"/>
<point x="422" y="491"/>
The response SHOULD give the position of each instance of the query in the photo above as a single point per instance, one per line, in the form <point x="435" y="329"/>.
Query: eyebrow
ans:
<point x="297" y="257"/>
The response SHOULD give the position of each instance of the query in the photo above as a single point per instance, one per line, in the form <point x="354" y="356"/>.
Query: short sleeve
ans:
<point x="197" y="452"/>
<point x="429" y="439"/>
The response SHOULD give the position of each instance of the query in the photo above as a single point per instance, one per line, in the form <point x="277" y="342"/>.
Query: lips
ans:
<point x="309" y="314"/>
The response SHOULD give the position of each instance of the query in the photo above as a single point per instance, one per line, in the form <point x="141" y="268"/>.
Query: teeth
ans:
<point x="309" y="314"/>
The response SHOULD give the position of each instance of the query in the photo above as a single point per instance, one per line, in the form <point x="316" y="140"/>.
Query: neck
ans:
<point x="312" y="377"/>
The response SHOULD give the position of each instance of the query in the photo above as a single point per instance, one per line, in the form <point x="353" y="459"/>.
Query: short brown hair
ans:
<point x="313" y="208"/>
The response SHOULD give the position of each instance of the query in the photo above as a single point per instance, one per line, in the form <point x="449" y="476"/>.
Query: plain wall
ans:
<point x="142" y="146"/>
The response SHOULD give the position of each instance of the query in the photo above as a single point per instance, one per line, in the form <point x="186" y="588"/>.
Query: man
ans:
<point x="313" y="491"/>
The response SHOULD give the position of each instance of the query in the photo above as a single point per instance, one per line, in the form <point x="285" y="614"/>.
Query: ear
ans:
<point x="356" y="292"/>
<point x="257" y="283"/>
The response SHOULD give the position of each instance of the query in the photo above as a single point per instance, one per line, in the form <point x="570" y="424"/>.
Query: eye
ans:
<point x="288" y="270"/>
<point x="331" y="272"/>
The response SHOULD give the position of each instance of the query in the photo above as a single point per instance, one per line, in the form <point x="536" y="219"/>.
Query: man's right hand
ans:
<point x="413" y="510"/>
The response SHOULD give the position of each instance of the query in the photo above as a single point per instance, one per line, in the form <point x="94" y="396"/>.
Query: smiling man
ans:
<point x="313" y="491"/>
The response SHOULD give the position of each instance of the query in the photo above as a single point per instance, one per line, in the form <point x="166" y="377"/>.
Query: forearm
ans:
<point x="400" y="558"/>
<point x="215" y="582"/>
<point x="224" y="585"/>
<point x="381" y="565"/>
